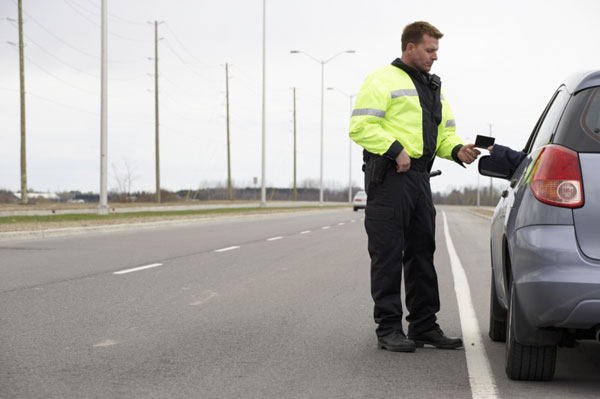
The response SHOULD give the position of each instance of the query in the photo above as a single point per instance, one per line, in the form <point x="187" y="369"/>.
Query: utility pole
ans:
<point x="228" y="142"/>
<point x="295" y="191"/>
<point x="103" y="200"/>
<point x="156" y="111"/>
<point x="24" y="198"/>
<point x="491" y="184"/>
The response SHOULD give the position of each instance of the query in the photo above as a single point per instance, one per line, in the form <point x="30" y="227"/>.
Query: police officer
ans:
<point x="402" y="120"/>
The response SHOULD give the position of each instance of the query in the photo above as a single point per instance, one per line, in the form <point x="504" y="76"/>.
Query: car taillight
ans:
<point x="556" y="177"/>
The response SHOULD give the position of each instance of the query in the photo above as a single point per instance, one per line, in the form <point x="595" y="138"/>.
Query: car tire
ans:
<point x="526" y="362"/>
<point x="355" y="209"/>
<point x="497" y="331"/>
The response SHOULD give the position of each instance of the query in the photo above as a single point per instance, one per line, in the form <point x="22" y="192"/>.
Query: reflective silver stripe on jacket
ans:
<point x="450" y="123"/>
<point x="404" y="92"/>
<point x="368" y="111"/>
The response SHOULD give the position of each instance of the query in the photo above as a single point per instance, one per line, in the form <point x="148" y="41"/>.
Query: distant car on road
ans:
<point x="360" y="200"/>
<point x="545" y="235"/>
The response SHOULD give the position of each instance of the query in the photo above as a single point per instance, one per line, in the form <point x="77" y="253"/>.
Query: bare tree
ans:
<point x="124" y="178"/>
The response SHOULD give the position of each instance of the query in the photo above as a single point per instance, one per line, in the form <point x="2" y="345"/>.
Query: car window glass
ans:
<point x="548" y="126"/>
<point x="579" y="127"/>
<point x="590" y="120"/>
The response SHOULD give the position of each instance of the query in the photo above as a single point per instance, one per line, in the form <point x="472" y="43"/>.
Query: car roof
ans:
<point x="582" y="80"/>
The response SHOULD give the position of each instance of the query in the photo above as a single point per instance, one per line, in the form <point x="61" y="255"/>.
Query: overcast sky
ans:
<point x="499" y="61"/>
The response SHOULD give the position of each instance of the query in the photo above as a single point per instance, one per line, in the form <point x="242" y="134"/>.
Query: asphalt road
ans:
<point x="276" y="306"/>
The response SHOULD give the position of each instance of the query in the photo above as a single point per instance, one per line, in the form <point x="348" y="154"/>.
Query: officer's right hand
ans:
<point x="402" y="162"/>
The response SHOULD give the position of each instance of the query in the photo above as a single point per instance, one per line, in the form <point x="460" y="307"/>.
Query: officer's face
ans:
<point x="422" y="56"/>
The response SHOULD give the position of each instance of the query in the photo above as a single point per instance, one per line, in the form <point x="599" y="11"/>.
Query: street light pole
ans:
<point x="322" y="116"/>
<point x="350" y="97"/>
<point x="322" y="62"/>
<point x="263" y="191"/>
<point x="103" y="199"/>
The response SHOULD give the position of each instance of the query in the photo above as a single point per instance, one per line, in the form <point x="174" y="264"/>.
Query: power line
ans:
<point x="99" y="26"/>
<point x="179" y="87"/>
<point x="63" y="104"/>
<point x="32" y="94"/>
<point x="94" y="56"/>
<point x="184" y="62"/>
<point x="180" y="105"/>
<point x="166" y="105"/>
<point x="119" y="18"/>
<point x="188" y="51"/>
<point x="56" y="77"/>
<point x="93" y="13"/>
<point x="56" y="58"/>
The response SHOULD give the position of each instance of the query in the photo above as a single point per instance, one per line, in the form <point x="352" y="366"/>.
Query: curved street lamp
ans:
<point x="350" y="98"/>
<point x="322" y="62"/>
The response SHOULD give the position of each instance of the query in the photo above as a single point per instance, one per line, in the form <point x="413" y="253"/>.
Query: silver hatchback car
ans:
<point x="545" y="235"/>
<point x="360" y="200"/>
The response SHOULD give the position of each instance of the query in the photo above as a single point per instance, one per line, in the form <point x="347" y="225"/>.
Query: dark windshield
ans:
<point x="579" y="128"/>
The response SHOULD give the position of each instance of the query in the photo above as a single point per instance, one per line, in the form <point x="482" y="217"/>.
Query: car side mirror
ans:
<point x="488" y="168"/>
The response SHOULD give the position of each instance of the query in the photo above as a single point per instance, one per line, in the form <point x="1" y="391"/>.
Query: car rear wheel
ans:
<point x="526" y="362"/>
<point x="497" y="316"/>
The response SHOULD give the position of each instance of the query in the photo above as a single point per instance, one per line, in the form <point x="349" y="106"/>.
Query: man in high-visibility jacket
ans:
<point x="402" y="120"/>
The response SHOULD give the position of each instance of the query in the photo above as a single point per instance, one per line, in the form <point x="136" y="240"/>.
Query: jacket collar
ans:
<point x="423" y="76"/>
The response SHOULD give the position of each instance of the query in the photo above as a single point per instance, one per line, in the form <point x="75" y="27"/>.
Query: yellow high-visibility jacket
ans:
<point x="387" y="109"/>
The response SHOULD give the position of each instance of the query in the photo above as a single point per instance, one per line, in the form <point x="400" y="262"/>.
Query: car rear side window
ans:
<point x="579" y="128"/>
<point x="548" y="126"/>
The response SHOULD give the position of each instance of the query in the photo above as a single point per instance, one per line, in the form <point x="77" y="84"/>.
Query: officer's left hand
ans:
<point x="468" y="153"/>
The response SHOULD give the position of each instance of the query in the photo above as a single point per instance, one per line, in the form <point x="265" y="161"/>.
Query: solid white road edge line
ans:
<point x="227" y="249"/>
<point x="137" y="269"/>
<point x="481" y="378"/>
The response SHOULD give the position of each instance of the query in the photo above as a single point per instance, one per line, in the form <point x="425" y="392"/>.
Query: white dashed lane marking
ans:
<point x="105" y="343"/>
<point x="153" y="265"/>
<point x="205" y="299"/>
<point x="137" y="269"/>
<point x="227" y="248"/>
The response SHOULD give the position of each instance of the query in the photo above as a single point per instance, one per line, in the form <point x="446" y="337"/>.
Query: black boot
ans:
<point x="396" y="342"/>
<point x="437" y="338"/>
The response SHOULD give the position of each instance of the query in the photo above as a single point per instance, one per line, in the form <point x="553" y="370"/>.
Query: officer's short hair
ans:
<point x="413" y="33"/>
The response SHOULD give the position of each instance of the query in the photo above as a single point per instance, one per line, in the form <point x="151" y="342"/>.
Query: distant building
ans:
<point x="48" y="196"/>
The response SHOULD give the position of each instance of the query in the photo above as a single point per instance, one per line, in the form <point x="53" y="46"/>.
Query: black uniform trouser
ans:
<point x="400" y="224"/>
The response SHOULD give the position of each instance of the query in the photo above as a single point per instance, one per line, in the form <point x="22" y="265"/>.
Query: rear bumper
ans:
<point x="556" y="284"/>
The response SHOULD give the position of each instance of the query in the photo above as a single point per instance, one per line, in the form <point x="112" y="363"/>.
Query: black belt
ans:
<point x="416" y="164"/>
